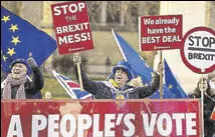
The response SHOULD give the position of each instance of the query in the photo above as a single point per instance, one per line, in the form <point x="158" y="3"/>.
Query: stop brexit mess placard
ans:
<point x="72" y="27"/>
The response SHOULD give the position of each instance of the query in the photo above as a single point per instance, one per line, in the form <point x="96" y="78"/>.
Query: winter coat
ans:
<point x="104" y="90"/>
<point x="209" y="101"/>
<point x="209" y="104"/>
<point x="32" y="87"/>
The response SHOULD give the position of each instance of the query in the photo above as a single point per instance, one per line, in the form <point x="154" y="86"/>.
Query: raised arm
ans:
<point x="37" y="82"/>
<point x="89" y="85"/>
<point x="148" y="90"/>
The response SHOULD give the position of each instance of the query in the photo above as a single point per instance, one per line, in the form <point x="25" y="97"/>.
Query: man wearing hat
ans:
<point x="118" y="86"/>
<point x="17" y="85"/>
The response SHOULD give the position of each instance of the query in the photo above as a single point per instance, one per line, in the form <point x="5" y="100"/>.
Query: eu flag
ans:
<point x="173" y="83"/>
<point x="19" y="38"/>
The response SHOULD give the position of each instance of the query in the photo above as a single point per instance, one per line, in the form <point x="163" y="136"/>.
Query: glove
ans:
<point x="32" y="62"/>
<point x="77" y="58"/>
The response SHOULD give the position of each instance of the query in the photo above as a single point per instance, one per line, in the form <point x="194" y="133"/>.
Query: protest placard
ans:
<point x="198" y="52"/>
<point x="72" y="27"/>
<point x="160" y="32"/>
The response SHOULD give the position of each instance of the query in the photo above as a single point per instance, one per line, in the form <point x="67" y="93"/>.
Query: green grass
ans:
<point x="55" y="88"/>
<point x="57" y="91"/>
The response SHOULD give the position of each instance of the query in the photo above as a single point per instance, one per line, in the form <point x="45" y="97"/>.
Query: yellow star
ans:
<point x="4" y="58"/>
<point x="11" y="51"/>
<point x="13" y="28"/>
<point x="6" y="18"/>
<point x="170" y="86"/>
<point x="15" y="40"/>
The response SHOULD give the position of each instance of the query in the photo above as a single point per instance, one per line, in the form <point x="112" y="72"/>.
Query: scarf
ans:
<point x="12" y="82"/>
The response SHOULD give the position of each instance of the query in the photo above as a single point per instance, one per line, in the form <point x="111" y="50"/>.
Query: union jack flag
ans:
<point x="71" y="87"/>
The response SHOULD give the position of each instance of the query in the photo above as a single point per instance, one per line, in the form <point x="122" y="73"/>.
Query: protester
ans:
<point x="206" y="86"/>
<point x="119" y="87"/>
<point x="18" y="85"/>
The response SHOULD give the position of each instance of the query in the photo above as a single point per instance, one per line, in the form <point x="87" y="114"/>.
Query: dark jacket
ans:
<point x="209" y="101"/>
<point x="209" y="104"/>
<point x="32" y="87"/>
<point x="100" y="90"/>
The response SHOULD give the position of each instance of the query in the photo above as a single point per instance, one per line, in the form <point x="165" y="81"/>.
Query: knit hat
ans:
<point x="20" y="60"/>
<point x="126" y="67"/>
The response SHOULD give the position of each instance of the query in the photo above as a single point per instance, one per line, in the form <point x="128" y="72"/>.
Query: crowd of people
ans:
<point x="121" y="84"/>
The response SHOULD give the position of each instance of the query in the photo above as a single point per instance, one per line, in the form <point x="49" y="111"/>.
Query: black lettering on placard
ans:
<point x="198" y="41"/>
<point x="201" y="56"/>
<point x="191" y="40"/>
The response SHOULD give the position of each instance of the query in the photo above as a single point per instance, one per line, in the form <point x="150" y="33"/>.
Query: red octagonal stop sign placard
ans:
<point x="198" y="52"/>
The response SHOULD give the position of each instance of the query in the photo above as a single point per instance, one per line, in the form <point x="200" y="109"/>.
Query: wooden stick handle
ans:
<point x="79" y="74"/>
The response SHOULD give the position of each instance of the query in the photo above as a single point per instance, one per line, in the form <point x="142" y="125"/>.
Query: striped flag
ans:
<point x="71" y="87"/>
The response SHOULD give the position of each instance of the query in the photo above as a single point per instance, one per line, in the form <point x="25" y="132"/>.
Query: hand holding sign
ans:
<point x="77" y="61"/>
<point x="198" y="52"/>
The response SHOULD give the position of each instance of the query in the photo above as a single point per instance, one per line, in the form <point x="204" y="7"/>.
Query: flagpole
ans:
<point x="161" y="76"/>
<point x="202" y="104"/>
<point x="79" y="73"/>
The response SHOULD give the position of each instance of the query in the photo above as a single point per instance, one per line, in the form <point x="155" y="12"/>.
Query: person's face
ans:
<point x="18" y="70"/>
<point x="121" y="77"/>
<point x="203" y="85"/>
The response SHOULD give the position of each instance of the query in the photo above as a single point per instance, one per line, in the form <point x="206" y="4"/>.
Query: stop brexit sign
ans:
<point x="198" y="52"/>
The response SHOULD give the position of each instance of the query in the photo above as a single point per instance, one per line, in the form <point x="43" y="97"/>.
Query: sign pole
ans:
<point x="202" y="104"/>
<point x="161" y="76"/>
<point x="79" y="74"/>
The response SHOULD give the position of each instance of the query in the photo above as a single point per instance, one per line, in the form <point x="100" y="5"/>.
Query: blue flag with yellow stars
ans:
<point x="173" y="83"/>
<point x="19" y="38"/>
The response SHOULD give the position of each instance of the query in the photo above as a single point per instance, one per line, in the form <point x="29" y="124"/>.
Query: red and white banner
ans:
<point x="89" y="118"/>
<point x="160" y="32"/>
<point x="72" y="27"/>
